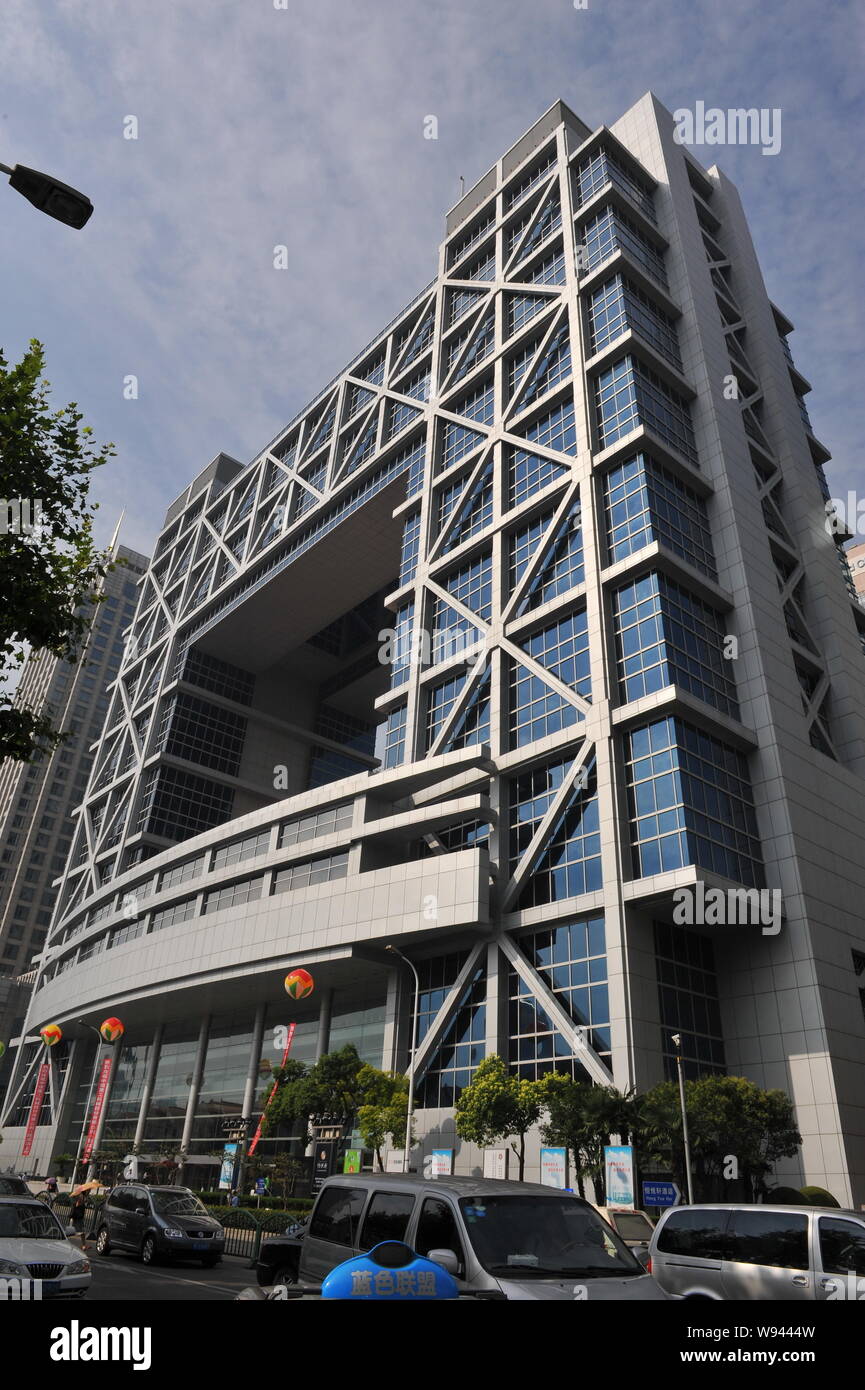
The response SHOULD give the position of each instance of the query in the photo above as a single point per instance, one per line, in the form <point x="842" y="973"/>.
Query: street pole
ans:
<point x="677" y="1041"/>
<point x="410" y="1107"/>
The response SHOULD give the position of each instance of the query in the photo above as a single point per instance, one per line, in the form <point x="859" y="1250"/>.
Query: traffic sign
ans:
<point x="661" y="1194"/>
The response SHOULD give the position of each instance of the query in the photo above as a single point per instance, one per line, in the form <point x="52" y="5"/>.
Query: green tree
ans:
<point x="729" y="1118"/>
<point x="498" y="1105"/>
<point x="48" y="577"/>
<point x="583" y="1118"/>
<point x="385" y="1111"/>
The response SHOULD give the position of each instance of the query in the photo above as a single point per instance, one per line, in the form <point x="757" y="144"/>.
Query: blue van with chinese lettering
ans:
<point x="520" y="1239"/>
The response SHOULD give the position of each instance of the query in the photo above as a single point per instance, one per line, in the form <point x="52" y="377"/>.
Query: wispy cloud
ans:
<point x="304" y="127"/>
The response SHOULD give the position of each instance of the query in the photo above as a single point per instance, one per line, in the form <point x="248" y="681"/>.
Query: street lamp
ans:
<point x="49" y="195"/>
<point x="677" y="1043"/>
<point x="405" y="1157"/>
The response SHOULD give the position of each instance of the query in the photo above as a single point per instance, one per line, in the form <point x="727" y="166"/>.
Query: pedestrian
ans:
<point x="78" y="1216"/>
<point x="51" y="1184"/>
<point x="235" y="1199"/>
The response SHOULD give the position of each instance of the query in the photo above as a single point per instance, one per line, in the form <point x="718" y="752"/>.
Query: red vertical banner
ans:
<point x="255" y="1138"/>
<point x="35" y="1107"/>
<point x="99" y="1101"/>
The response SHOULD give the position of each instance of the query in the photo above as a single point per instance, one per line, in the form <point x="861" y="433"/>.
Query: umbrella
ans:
<point x="85" y="1187"/>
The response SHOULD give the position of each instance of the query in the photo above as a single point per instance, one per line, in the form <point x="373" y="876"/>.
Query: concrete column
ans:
<point x="195" y="1087"/>
<point x="147" y="1089"/>
<point x="325" y="1008"/>
<point x="496" y="1038"/>
<point x="254" y="1059"/>
<point x="390" y="1047"/>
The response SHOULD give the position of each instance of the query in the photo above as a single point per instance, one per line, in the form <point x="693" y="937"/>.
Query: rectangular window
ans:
<point x="232" y="895"/>
<point x="628" y="395"/>
<point x="311" y="872"/>
<point x="645" y="503"/>
<point x="238" y="850"/>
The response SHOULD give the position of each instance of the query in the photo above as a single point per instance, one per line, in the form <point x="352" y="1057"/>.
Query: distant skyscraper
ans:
<point x="559" y="530"/>
<point x="37" y="799"/>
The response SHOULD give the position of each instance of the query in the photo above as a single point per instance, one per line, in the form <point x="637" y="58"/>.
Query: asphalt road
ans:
<point x="123" y="1277"/>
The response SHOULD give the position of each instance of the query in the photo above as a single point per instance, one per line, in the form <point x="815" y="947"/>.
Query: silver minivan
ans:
<point x="727" y="1251"/>
<point x="515" y="1238"/>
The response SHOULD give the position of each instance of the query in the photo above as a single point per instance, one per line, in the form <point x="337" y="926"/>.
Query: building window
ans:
<point x="691" y="803"/>
<point x="572" y="960"/>
<point x="170" y="916"/>
<point x="232" y="895"/>
<point x="629" y="395"/>
<point x="326" y="822"/>
<point x="238" y="850"/>
<point x="314" y="871"/>
<point x="619" y="305"/>
<point x="569" y="862"/>
<point x="688" y="1002"/>
<point x="646" y="503"/>
<point x="610" y="231"/>
<point x="602" y="169"/>
<point x="667" y="636"/>
<point x="461" y="1048"/>
<point x="181" y="874"/>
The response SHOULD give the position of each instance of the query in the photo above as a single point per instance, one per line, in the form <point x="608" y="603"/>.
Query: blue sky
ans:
<point x="304" y="127"/>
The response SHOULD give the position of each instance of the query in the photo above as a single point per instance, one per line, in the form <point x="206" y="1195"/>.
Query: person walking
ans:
<point x="51" y="1185"/>
<point x="78" y="1216"/>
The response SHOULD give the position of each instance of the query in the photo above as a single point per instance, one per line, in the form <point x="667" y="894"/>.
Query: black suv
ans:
<point x="11" y="1185"/>
<point x="153" y="1221"/>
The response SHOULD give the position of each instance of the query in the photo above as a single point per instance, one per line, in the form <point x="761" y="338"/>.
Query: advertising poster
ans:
<point x="554" y="1167"/>
<point x="619" y="1164"/>
<point x="226" y="1172"/>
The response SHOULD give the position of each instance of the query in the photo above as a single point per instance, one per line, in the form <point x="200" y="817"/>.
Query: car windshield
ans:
<point x="530" y="1236"/>
<point x="177" y="1204"/>
<point x="26" y="1220"/>
<point x="633" y="1225"/>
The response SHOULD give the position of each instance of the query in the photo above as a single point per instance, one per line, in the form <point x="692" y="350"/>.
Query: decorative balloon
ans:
<point x="111" y="1029"/>
<point x="299" y="984"/>
<point x="50" y="1034"/>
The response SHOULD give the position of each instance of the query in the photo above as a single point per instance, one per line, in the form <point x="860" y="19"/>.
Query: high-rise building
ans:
<point x="38" y="798"/>
<point x="524" y="648"/>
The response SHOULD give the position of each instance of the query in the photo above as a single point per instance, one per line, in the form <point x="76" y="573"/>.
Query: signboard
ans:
<point x="393" y="1161"/>
<point x="554" y="1166"/>
<point x="351" y="1162"/>
<point x="226" y="1171"/>
<point x="619" y="1165"/>
<point x="324" y="1156"/>
<point x="661" y="1193"/>
<point x="442" y="1163"/>
<point x="35" y="1107"/>
<point x="260" y="1186"/>
<point x="235" y="1122"/>
<point x="257" y="1135"/>
<point x="101" y="1088"/>
<point x="495" y="1163"/>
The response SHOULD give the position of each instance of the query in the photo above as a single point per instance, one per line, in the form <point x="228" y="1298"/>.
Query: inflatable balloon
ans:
<point x="299" y="984"/>
<point x="50" y="1034"/>
<point x="111" y="1029"/>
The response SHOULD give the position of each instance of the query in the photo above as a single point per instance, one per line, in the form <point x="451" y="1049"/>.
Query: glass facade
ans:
<point x="667" y="636"/>
<point x="690" y="803"/>
<point x="688" y="1002"/>
<point x="629" y="394"/>
<point x="571" y="959"/>
<point x="645" y="502"/>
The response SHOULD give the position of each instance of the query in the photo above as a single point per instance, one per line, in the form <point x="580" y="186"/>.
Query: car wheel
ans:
<point x="286" y="1275"/>
<point x="148" y="1251"/>
<point x="103" y="1244"/>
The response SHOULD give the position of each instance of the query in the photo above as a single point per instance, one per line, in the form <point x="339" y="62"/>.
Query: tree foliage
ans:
<point x="583" y="1118"/>
<point x="498" y="1105"/>
<point x="49" y="576"/>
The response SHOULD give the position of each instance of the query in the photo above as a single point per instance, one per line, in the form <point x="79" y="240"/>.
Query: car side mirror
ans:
<point x="447" y="1259"/>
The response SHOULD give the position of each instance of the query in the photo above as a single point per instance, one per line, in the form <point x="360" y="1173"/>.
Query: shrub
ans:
<point x="818" y="1197"/>
<point x="786" y="1197"/>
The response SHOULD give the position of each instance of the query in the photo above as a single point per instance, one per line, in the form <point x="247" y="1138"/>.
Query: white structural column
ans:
<point x="195" y="1087"/>
<point x="147" y="1089"/>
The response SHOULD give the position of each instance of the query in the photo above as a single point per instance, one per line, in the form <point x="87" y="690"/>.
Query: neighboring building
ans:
<point x="38" y="799"/>
<point x="855" y="555"/>
<point x="626" y="665"/>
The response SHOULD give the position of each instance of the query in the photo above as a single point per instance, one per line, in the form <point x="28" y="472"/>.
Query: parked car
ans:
<point x="726" y="1251"/>
<point x="13" y="1185"/>
<point x="635" y="1228"/>
<point x="518" y="1239"/>
<point x="33" y="1245"/>
<point x="154" y="1221"/>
